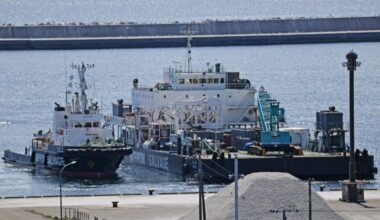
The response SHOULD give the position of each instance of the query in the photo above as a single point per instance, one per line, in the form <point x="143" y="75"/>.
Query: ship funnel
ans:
<point x="135" y="83"/>
<point x="217" y="67"/>
<point x="120" y="101"/>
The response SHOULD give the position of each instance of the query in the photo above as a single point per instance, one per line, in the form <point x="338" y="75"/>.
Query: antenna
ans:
<point x="82" y="83"/>
<point x="65" y="82"/>
<point x="189" y="33"/>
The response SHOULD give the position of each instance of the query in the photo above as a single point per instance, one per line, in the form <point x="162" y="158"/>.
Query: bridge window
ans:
<point x="221" y="80"/>
<point x="195" y="81"/>
<point x="87" y="125"/>
<point x="202" y="80"/>
<point x="78" y="125"/>
<point x="181" y="81"/>
<point x="209" y="80"/>
<point x="96" y="124"/>
<point x="216" y="80"/>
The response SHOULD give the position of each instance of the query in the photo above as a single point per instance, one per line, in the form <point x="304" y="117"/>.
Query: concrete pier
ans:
<point x="208" y="33"/>
<point x="160" y="206"/>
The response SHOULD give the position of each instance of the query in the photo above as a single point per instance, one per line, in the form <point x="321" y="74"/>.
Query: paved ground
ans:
<point x="157" y="206"/>
<point x="129" y="207"/>
<point x="369" y="210"/>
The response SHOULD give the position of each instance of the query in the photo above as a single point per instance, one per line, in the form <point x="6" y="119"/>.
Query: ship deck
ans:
<point x="245" y="155"/>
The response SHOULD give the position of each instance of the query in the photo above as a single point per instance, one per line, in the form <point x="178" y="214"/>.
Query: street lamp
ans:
<point x="350" y="191"/>
<point x="60" y="185"/>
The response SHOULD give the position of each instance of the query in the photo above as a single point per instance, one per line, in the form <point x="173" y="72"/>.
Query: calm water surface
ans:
<point x="305" y="78"/>
<point x="43" y="11"/>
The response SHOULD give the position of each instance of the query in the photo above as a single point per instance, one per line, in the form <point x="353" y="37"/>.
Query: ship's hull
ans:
<point x="90" y="161"/>
<point x="320" y="166"/>
<point x="161" y="160"/>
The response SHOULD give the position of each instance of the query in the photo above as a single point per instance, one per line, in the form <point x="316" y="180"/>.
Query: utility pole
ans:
<point x="202" y="205"/>
<point x="284" y="215"/>
<point x="200" y="190"/>
<point x="203" y="202"/>
<point x="310" y="209"/>
<point x="236" y="188"/>
<point x="349" y="188"/>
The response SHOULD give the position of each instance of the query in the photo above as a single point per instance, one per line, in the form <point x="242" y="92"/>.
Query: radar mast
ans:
<point x="189" y="34"/>
<point x="81" y="68"/>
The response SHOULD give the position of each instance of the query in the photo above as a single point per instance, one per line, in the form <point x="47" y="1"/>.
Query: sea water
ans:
<point x="304" y="78"/>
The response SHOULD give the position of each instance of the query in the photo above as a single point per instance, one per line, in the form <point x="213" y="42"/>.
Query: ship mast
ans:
<point x="83" y="84"/>
<point x="189" y="33"/>
<point x="66" y="91"/>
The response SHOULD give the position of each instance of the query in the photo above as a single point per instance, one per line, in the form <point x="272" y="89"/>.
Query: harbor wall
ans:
<point x="203" y="28"/>
<point x="208" y="33"/>
<point x="145" y="42"/>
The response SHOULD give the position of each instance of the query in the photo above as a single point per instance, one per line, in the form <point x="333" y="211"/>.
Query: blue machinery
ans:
<point x="270" y="114"/>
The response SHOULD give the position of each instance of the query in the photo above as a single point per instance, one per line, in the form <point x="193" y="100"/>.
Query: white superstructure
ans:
<point x="211" y="98"/>
<point x="80" y="123"/>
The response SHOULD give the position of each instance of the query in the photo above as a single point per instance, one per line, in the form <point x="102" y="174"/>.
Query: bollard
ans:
<point x="114" y="204"/>
<point x="151" y="191"/>
<point x="321" y="188"/>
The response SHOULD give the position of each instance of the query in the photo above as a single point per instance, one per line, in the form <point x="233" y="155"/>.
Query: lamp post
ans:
<point x="350" y="193"/>
<point x="60" y="185"/>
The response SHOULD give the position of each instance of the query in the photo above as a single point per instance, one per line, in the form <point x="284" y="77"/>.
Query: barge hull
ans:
<point x="322" y="167"/>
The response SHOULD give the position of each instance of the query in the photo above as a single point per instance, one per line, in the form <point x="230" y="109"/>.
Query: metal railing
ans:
<point x="75" y="214"/>
<point x="238" y="86"/>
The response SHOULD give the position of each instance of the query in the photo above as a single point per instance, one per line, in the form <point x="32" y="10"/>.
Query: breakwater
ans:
<point x="208" y="33"/>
